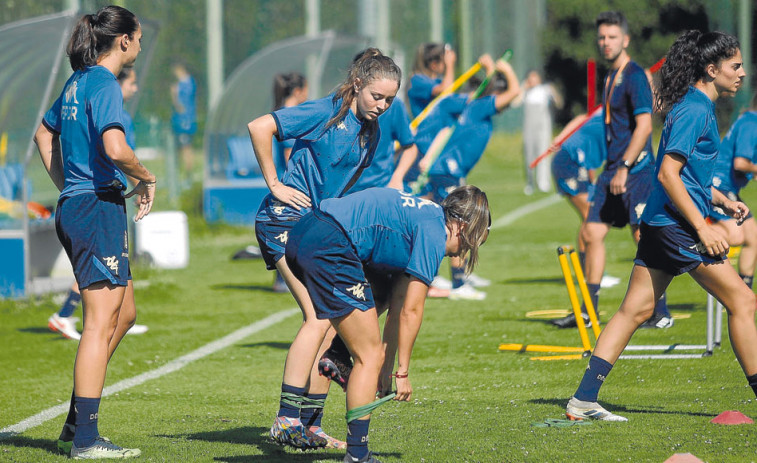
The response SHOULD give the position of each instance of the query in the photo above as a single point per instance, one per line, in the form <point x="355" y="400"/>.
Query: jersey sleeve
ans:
<point x="454" y="105"/>
<point x="745" y="145"/>
<point x="52" y="118"/>
<point x="401" y="125"/>
<point x="421" y="87"/>
<point x="428" y="249"/>
<point x="107" y="104"/>
<point x="685" y="130"/>
<point x="640" y="93"/>
<point x="483" y="108"/>
<point x="306" y="120"/>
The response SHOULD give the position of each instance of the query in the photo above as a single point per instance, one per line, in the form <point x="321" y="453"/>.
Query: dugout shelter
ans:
<point x="33" y="69"/>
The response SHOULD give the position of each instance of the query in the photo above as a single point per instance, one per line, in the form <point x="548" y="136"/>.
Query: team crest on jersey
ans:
<point x="640" y="209"/>
<point x="283" y="237"/>
<point x="358" y="291"/>
<point x="112" y="263"/>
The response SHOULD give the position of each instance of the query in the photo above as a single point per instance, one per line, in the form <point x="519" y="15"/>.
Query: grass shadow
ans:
<point x="272" y="345"/>
<point x="532" y="281"/>
<point x="266" y="288"/>
<point x="41" y="330"/>
<point x="620" y="409"/>
<point x="19" y="440"/>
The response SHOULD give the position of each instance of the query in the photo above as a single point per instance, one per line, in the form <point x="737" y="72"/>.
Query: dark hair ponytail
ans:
<point x="371" y="66"/>
<point x="93" y="34"/>
<point x="687" y="61"/>
<point x="427" y="54"/>
<point x="283" y="86"/>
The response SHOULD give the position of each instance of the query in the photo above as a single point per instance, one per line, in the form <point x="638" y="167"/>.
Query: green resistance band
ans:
<point x="363" y="410"/>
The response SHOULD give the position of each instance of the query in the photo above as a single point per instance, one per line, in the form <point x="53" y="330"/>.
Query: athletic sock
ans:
<point x="312" y="409"/>
<point x="68" y="307"/>
<point x="594" y="377"/>
<point x="594" y="295"/>
<point x="748" y="279"/>
<point x="357" y="438"/>
<point x="67" y="434"/>
<point x="86" y="421"/>
<point x="291" y="401"/>
<point x="458" y="276"/>
<point x="753" y="382"/>
<point x="582" y="259"/>
<point x="662" y="306"/>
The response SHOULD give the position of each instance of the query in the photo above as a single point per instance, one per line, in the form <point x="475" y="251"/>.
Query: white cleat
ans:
<point x="137" y="329"/>
<point x="608" y="281"/>
<point x="64" y="325"/>
<point x="578" y="410"/>
<point x="103" y="448"/>
<point x="466" y="292"/>
<point x="441" y="283"/>
<point x="477" y="281"/>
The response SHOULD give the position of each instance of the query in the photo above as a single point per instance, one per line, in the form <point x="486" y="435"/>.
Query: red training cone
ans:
<point x="732" y="417"/>
<point x="683" y="458"/>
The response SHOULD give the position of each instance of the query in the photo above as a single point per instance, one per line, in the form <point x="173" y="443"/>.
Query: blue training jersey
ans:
<point x="467" y="144"/>
<point x="690" y="131"/>
<point x="324" y="157"/>
<point x="630" y="97"/>
<point x="739" y="142"/>
<point x="392" y="231"/>
<point x="587" y="147"/>
<point x="395" y="125"/>
<point x="419" y="95"/>
<point x="186" y="121"/>
<point x="91" y="103"/>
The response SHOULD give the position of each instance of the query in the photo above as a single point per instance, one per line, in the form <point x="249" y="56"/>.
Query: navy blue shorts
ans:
<point x="273" y="223"/>
<point x="672" y="249"/>
<point x="92" y="229"/>
<point x="321" y="256"/>
<point x="621" y="210"/>
<point x="717" y="214"/>
<point x="440" y="186"/>
<point x="569" y="177"/>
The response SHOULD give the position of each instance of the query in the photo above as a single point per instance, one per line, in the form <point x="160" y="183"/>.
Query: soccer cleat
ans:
<point x="569" y="321"/>
<point x="578" y="410"/>
<point x="137" y="329"/>
<point x="441" y="283"/>
<point x="335" y="368"/>
<point x="332" y="442"/>
<point x="250" y="252"/>
<point x="466" y="292"/>
<point x="291" y="431"/>
<point x="658" y="320"/>
<point x="477" y="281"/>
<point x="608" y="281"/>
<point x="103" y="448"/>
<point x="64" y="325"/>
<point x="369" y="458"/>
<point x="66" y="439"/>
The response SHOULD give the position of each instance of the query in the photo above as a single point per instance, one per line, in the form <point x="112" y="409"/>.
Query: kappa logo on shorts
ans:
<point x="112" y="263"/>
<point x="283" y="237"/>
<point x="278" y="207"/>
<point x="640" y="209"/>
<point x="358" y="291"/>
<point x="572" y="183"/>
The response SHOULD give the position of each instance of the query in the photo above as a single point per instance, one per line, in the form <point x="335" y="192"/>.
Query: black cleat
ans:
<point x="570" y="321"/>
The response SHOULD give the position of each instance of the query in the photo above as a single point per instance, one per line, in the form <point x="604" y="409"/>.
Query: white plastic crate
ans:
<point x="164" y="237"/>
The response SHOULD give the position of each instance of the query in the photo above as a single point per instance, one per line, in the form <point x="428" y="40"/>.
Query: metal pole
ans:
<point x="214" y="28"/>
<point x="745" y="38"/>
<point x="466" y="54"/>
<point x="437" y="21"/>
<point x="383" y="26"/>
<point x="312" y="29"/>
<point x="366" y="13"/>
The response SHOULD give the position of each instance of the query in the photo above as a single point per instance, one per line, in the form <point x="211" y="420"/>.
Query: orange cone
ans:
<point x="732" y="417"/>
<point x="683" y="458"/>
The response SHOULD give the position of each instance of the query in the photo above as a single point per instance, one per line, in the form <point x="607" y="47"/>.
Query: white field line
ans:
<point x="169" y="367"/>
<point x="524" y="210"/>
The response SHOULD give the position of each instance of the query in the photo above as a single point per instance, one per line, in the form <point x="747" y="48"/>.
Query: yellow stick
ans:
<point x="585" y="294"/>
<point x="563" y="258"/>
<point x="559" y="357"/>
<point x="539" y="348"/>
<point x="454" y="86"/>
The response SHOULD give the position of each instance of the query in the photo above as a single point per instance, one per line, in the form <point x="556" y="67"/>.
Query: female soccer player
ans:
<point x="472" y="131"/>
<point x="384" y="230"/>
<point x="736" y="165"/>
<point x="82" y="144"/>
<point x="433" y="71"/>
<point x="335" y="137"/>
<point x="675" y="238"/>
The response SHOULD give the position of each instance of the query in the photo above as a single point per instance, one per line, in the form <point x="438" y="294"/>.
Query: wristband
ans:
<point x="399" y="376"/>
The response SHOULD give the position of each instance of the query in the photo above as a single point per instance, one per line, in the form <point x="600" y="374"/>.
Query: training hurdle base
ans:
<point x="567" y="254"/>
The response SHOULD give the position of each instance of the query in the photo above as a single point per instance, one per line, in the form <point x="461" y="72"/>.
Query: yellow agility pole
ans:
<point x="559" y="357"/>
<point x="539" y="348"/>
<point x="585" y="294"/>
<point x="562" y="252"/>
<point x="447" y="91"/>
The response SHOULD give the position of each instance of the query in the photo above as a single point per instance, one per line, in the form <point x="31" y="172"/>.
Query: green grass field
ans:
<point x="471" y="403"/>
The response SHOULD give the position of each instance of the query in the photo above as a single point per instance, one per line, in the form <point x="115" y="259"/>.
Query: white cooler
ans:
<point x="164" y="237"/>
